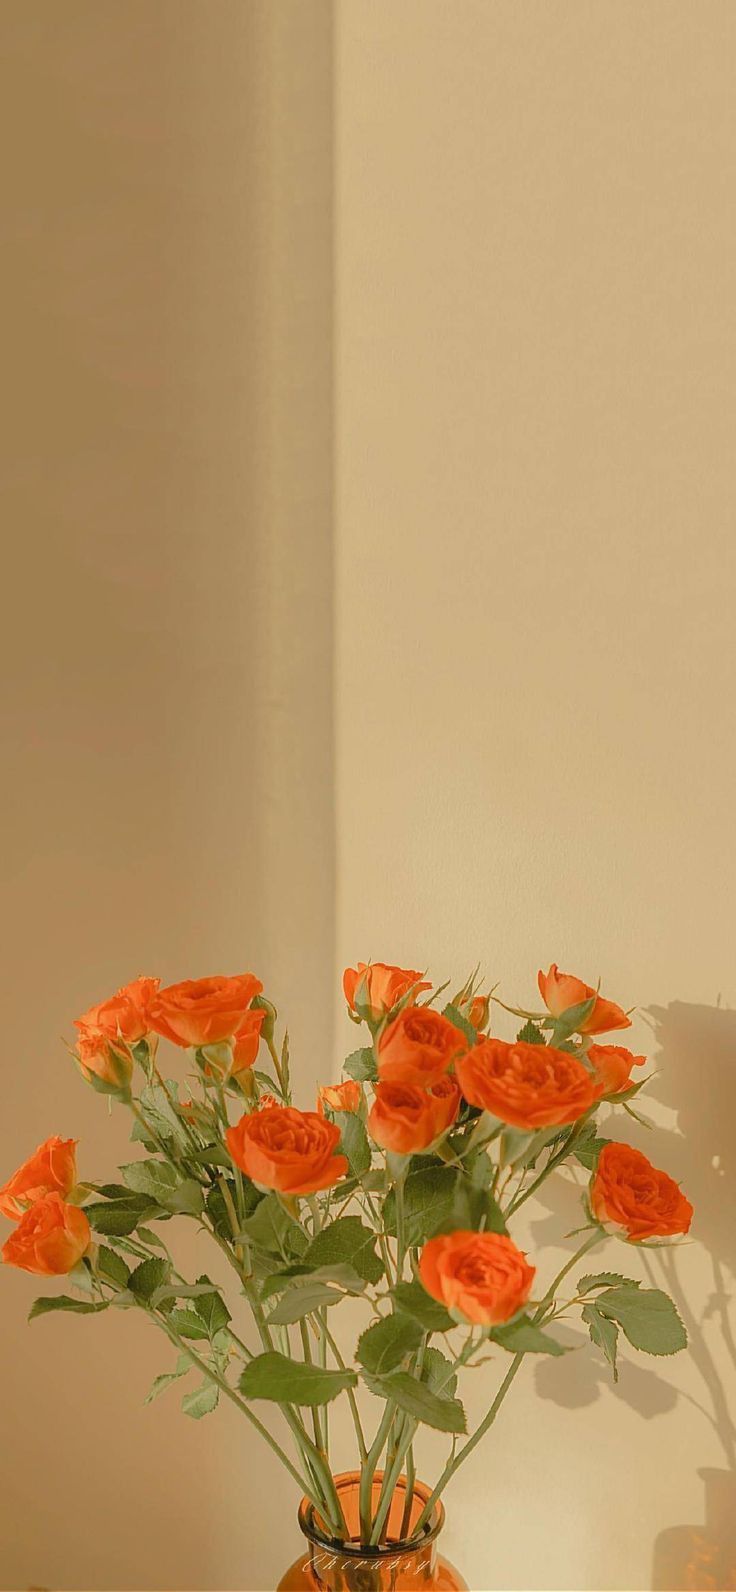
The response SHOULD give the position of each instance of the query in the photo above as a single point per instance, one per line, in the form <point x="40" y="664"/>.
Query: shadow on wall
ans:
<point x="695" y="1059"/>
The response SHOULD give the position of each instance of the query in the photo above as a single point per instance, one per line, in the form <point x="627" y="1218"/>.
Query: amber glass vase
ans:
<point x="396" y="1566"/>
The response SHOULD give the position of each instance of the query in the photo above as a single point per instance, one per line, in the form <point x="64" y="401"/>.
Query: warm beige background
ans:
<point x="535" y="598"/>
<point x="166" y="495"/>
<point x="534" y="586"/>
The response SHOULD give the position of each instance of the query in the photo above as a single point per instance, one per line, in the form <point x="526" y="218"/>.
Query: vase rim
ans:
<point x="387" y="1550"/>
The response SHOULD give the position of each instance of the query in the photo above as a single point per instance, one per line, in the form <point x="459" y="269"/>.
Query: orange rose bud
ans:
<point x="107" y="1029"/>
<point x="528" y="1086"/>
<point x="635" y="1197"/>
<point x="612" y="1066"/>
<point x="481" y="1276"/>
<point x="287" y="1150"/>
<point x="99" y="1058"/>
<point x="246" y="1041"/>
<point x="204" y="1011"/>
<point x="480" y="1011"/>
<point x="52" y="1169"/>
<point x="345" y="1096"/>
<point x="378" y="987"/>
<point x="559" y="991"/>
<point x="50" y="1238"/>
<point x="266" y="1101"/>
<point x="418" y="1047"/>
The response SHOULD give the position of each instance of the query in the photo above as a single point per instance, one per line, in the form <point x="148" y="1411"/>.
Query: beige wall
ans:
<point x="535" y="593"/>
<point x="534" y="577"/>
<point x="166" y="493"/>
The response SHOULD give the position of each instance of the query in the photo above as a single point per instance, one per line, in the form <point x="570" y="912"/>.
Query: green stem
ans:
<point x="596" y="1237"/>
<point x="318" y="1437"/>
<point x="409" y="1495"/>
<point x="368" y="1471"/>
<point x="212" y="1376"/>
<point x="468" y="1447"/>
<point x="351" y="1396"/>
<point x="454" y="1463"/>
<point x="554" y="1161"/>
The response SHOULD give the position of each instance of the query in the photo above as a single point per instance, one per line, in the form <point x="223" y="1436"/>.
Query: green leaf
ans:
<point x="283" y="1381"/>
<point x="475" y="1208"/>
<point x="569" y="1021"/>
<point x="148" y="1277"/>
<point x="211" y="1155"/>
<point x="438" y="1372"/>
<point x="161" y="1116"/>
<point x="118" y="1218"/>
<point x="418" y="1400"/>
<point x="383" y="1347"/>
<point x="343" y="1275"/>
<point x="587" y="1147"/>
<point x="273" y="1230"/>
<point x="218" y="1212"/>
<point x="112" y="1266"/>
<point x="530" y="1034"/>
<point x="160" y="1383"/>
<point x="346" y="1241"/>
<point x="353" y="1141"/>
<point x="160" y="1183"/>
<point x="201" y="1401"/>
<point x="455" y="1017"/>
<point x="522" y="1337"/>
<point x="604" y="1279"/>
<point x="81" y="1307"/>
<point x="361" y="1065"/>
<point x="187" y="1198"/>
<point x="147" y="1236"/>
<point x="429" y="1195"/>
<point x="414" y="1300"/>
<point x="300" y="1300"/>
<point x="647" y="1317"/>
<point x="212" y="1309"/>
<point x="603" y="1333"/>
<point x="519" y="1149"/>
<point x="150" y="1177"/>
<point x="188" y="1324"/>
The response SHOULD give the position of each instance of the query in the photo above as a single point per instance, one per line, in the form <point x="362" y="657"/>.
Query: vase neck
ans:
<point x="334" y="1570"/>
<point x="350" y="1566"/>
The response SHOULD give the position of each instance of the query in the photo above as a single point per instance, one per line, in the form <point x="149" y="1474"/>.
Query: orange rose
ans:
<point x="345" y="1096"/>
<point x="528" y="1086"/>
<point x="482" y="1276"/>
<point x="377" y="987"/>
<point x="480" y="1011"/>
<point x="417" y="1047"/>
<point x="291" y="1151"/>
<point x="50" y="1238"/>
<point x="246" y="1041"/>
<point x="107" y="1029"/>
<point x="612" y="1066"/>
<point x="635" y="1196"/>
<point x="406" y="1119"/>
<point x="97" y="1056"/>
<point x="126" y="1015"/>
<point x="204" y="1011"/>
<point x="559" y="991"/>
<point x="52" y="1169"/>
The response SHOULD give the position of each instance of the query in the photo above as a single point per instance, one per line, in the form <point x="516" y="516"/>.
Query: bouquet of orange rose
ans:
<point x="398" y="1191"/>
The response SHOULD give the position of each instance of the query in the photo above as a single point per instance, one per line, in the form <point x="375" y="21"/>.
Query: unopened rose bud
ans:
<point x="480" y="1012"/>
